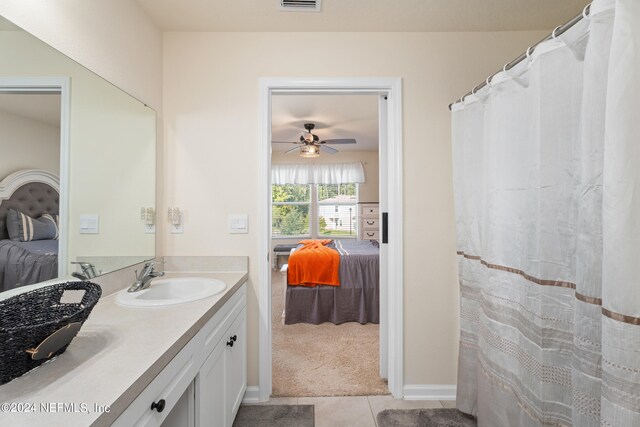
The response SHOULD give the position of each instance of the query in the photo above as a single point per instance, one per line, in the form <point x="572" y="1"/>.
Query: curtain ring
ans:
<point x="553" y="33"/>
<point x="529" y="52"/>
<point x="488" y="82"/>
<point x="586" y="10"/>
<point x="473" y="91"/>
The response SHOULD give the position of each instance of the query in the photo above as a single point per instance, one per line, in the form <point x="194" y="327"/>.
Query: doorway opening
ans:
<point x="313" y="218"/>
<point x="35" y="116"/>
<point x="325" y="187"/>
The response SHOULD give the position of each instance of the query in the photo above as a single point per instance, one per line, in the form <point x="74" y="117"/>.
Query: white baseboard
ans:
<point x="251" y="394"/>
<point x="430" y="392"/>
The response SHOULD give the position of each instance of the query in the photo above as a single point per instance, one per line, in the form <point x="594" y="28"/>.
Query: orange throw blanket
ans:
<point x="314" y="264"/>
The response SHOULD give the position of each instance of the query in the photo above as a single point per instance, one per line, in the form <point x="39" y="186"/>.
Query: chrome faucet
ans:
<point x="144" y="278"/>
<point x="88" y="270"/>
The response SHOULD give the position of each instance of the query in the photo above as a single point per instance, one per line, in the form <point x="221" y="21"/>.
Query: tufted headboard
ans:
<point x="30" y="191"/>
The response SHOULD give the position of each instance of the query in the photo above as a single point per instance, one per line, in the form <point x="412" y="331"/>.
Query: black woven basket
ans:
<point x="27" y="320"/>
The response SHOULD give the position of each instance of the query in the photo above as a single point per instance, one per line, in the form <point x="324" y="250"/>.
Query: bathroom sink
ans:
<point x="169" y="291"/>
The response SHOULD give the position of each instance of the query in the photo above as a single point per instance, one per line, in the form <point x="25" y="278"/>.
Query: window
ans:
<point x="291" y="205"/>
<point x="322" y="210"/>
<point x="337" y="213"/>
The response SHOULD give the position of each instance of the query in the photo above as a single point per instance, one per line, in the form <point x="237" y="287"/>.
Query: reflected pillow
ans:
<point x="23" y="228"/>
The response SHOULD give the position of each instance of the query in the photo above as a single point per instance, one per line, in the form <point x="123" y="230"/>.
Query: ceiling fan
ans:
<point x="310" y="144"/>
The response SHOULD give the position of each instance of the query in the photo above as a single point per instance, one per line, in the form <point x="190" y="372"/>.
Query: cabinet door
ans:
<point x="236" y="366"/>
<point x="183" y="413"/>
<point x="167" y="388"/>
<point x="210" y="390"/>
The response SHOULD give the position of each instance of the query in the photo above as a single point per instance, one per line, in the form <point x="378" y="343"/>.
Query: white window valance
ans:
<point x="336" y="173"/>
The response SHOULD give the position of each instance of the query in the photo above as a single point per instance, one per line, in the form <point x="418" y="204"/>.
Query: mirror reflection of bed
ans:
<point x="325" y="283"/>
<point x="29" y="230"/>
<point x="29" y="187"/>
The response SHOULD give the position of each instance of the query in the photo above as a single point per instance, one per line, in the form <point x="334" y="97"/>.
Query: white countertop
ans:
<point x="116" y="354"/>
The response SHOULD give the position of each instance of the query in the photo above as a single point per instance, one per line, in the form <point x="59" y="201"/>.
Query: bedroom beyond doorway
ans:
<point x="389" y="94"/>
<point x="325" y="173"/>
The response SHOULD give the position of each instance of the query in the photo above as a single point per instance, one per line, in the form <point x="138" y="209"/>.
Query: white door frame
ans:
<point x="45" y="85"/>
<point x="392" y="88"/>
<point x="383" y="198"/>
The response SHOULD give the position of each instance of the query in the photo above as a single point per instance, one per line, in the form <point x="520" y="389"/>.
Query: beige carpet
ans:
<point x="323" y="360"/>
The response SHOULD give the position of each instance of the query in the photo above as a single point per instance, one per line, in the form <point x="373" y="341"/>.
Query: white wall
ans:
<point x="211" y="164"/>
<point x="32" y="144"/>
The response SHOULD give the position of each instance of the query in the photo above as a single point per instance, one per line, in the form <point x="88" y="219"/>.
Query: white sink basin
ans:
<point x="171" y="291"/>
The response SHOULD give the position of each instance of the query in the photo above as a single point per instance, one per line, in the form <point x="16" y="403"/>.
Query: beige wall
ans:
<point x="113" y="38"/>
<point x="210" y="90"/>
<point x="32" y="144"/>
<point x="211" y="165"/>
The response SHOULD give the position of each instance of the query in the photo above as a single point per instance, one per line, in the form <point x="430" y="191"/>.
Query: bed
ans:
<point x="32" y="192"/>
<point x="357" y="299"/>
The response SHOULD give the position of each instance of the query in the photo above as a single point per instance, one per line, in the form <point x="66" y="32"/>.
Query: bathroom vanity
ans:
<point x="174" y="365"/>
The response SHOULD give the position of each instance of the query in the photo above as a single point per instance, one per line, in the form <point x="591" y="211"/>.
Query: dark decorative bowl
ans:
<point x="38" y="325"/>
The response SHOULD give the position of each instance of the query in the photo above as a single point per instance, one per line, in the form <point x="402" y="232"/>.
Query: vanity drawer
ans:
<point x="165" y="390"/>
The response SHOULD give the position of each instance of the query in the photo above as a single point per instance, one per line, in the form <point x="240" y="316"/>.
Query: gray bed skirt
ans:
<point x="357" y="299"/>
<point x="25" y="263"/>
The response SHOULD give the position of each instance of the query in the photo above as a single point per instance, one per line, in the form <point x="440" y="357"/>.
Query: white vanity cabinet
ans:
<point x="221" y="383"/>
<point x="206" y="380"/>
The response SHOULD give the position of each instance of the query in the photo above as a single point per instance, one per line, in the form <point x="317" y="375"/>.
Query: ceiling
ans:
<point x="362" y="15"/>
<point x="44" y="108"/>
<point x="335" y="116"/>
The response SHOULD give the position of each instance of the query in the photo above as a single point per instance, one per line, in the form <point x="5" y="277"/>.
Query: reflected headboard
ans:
<point x="33" y="192"/>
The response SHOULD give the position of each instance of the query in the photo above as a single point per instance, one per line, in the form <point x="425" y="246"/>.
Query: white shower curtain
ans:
<point x="547" y="192"/>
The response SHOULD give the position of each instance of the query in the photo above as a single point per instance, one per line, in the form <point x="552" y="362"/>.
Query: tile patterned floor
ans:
<point x="354" y="411"/>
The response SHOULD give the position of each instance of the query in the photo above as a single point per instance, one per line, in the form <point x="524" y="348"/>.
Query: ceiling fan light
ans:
<point x="309" y="151"/>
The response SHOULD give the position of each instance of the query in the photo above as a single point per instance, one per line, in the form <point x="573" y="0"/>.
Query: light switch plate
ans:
<point x="89" y="224"/>
<point x="238" y="223"/>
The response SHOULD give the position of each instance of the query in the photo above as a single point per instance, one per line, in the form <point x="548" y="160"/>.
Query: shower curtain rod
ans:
<point x="558" y="31"/>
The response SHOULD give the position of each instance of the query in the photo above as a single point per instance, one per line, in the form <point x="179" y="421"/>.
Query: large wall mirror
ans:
<point x="77" y="168"/>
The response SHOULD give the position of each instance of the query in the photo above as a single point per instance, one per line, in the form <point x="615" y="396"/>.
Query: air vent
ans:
<point x="300" y="5"/>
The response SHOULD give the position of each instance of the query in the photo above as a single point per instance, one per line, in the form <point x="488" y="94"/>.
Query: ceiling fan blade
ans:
<point x="283" y="142"/>
<point x="339" y="141"/>
<point x="292" y="150"/>
<point x="328" y="149"/>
